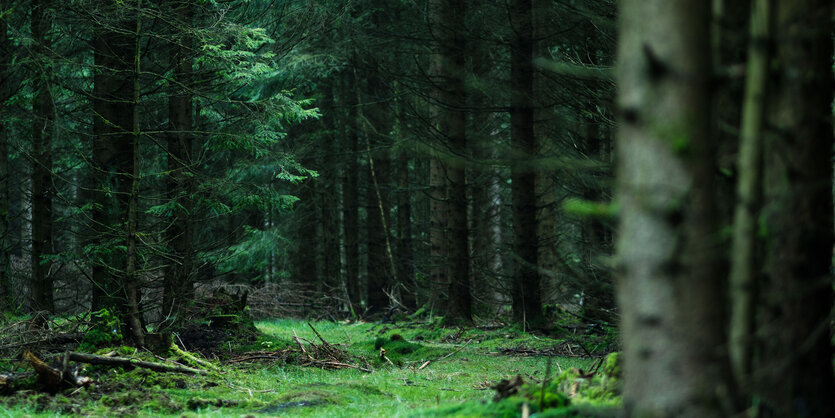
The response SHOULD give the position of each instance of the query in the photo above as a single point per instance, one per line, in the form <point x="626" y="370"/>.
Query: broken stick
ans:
<point x="423" y="366"/>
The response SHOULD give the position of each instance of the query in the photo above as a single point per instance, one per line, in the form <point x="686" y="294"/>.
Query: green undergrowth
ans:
<point x="436" y="371"/>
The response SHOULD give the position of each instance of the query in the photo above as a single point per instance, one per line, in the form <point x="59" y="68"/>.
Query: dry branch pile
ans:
<point x="310" y="354"/>
<point x="563" y="349"/>
<point x="40" y="332"/>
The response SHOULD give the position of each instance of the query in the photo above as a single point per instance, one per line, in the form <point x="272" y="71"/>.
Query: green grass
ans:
<point x="455" y="386"/>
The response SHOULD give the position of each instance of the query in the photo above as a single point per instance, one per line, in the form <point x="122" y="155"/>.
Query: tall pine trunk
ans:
<point x="179" y="276"/>
<point x="527" y="298"/>
<point x="405" y="252"/>
<point x="375" y="122"/>
<point x="796" y="362"/>
<point x="113" y="161"/>
<point x="673" y="333"/>
<point x="350" y="192"/>
<point x="41" y="286"/>
<point x="6" y="294"/>
<point x="438" y="187"/>
<point x="132" y="313"/>
<point x="449" y="20"/>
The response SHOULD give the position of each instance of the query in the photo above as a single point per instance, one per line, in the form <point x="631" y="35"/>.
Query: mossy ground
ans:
<point x="459" y="385"/>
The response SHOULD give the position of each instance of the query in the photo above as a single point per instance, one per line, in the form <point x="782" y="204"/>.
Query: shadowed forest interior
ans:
<point x="585" y="207"/>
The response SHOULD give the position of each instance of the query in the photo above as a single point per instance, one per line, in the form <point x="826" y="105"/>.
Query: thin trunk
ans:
<point x="405" y="253"/>
<point x="673" y="332"/>
<point x="328" y="196"/>
<point x="41" y="286"/>
<point x="382" y="269"/>
<point x="527" y="298"/>
<point x="6" y="294"/>
<point x="131" y="284"/>
<point x="744" y="262"/>
<point x="350" y="192"/>
<point x="438" y="193"/>
<point x="438" y="248"/>
<point x="796" y="360"/>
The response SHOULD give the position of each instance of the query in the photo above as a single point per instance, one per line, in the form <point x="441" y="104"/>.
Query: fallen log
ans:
<point x="54" y="379"/>
<point x="130" y="362"/>
<point x="188" y="357"/>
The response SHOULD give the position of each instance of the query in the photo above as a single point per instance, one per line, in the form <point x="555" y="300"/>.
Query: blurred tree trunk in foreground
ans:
<point x="673" y="333"/>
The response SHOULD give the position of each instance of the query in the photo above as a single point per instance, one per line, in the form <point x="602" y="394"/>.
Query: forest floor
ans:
<point x="289" y="370"/>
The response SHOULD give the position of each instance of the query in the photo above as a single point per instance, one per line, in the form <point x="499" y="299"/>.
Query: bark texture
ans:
<point x="448" y="19"/>
<point x="669" y="292"/>
<point x="797" y="353"/>
<point x="527" y="298"/>
<point x="41" y="286"/>
<point x="6" y="295"/>
<point x="179" y="276"/>
<point x="350" y="198"/>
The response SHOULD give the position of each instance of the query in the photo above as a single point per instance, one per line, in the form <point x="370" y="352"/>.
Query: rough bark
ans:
<point x="405" y="252"/>
<point x="133" y="316"/>
<point x="113" y="156"/>
<point x="796" y="360"/>
<point x="41" y="286"/>
<point x="179" y="275"/>
<point x="438" y="244"/>
<point x="6" y="293"/>
<point x="437" y="192"/>
<point x="329" y="196"/>
<point x="527" y="298"/>
<point x="350" y="192"/>
<point x="375" y="127"/>
<point x="448" y="19"/>
<point x="673" y="332"/>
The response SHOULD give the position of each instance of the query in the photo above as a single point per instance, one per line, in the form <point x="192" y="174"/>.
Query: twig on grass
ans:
<point x="424" y="365"/>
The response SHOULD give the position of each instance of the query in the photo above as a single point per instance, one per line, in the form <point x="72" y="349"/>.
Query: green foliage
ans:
<point x="104" y="331"/>
<point x="612" y="366"/>
<point x="587" y="209"/>
<point x="539" y="399"/>
<point x="450" y="387"/>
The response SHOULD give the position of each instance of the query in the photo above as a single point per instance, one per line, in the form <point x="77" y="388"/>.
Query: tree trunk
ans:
<point x="796" y="362"/>
<point x="438" y="244"/>
<point x="133" y="316"/>
<point x="744" y="261"/>
<point x="41" y="286"/>
<point x="448" y="19"/>
<point x="438" y="193"/>
<point x="350" y="192"/>
<point x="328" y="195"/>
<point x="6" y="293"/>
<point x="375" y="128"/>
<point x="527" y="298"/>
<point x="113" y="160"/>
<point x="673" y="332"/>
<point x="179" y="275"/>
<point x="405" y="253"/>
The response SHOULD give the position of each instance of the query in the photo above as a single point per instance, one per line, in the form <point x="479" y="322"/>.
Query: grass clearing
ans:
<point x="456" y="385"/>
